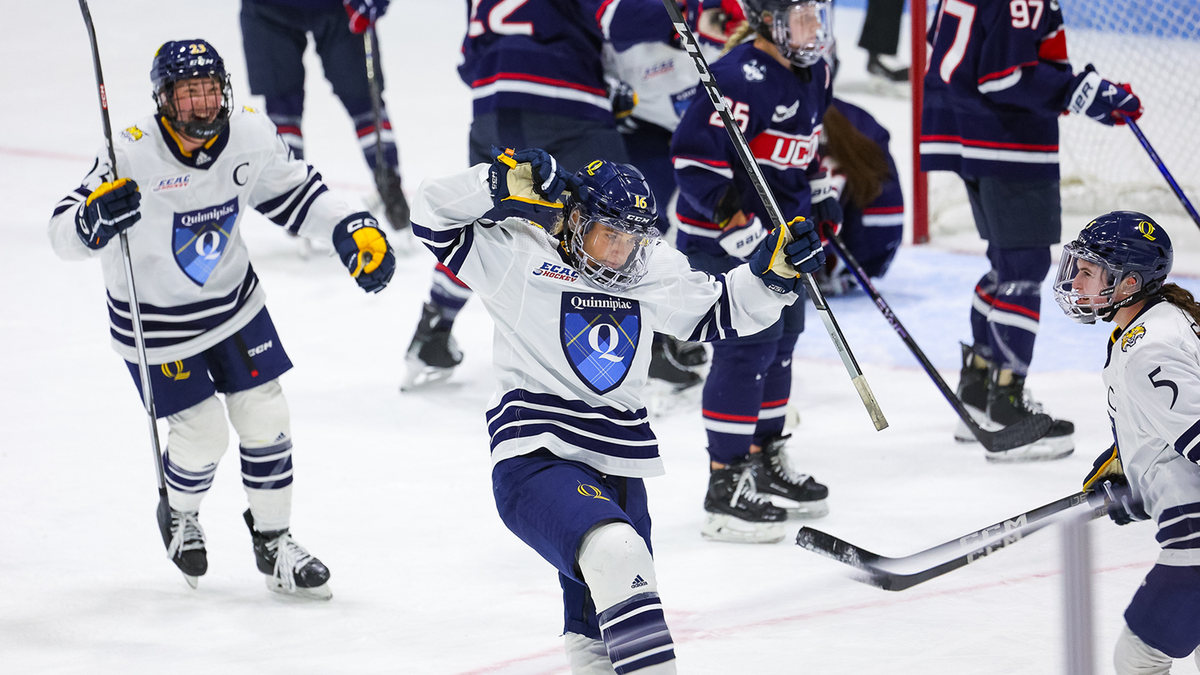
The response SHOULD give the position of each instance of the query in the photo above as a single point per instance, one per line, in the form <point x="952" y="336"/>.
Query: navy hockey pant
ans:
<point x="274" y="38"/>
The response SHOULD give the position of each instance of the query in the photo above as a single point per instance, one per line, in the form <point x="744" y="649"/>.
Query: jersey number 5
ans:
<point x="497" y="19"/>
<point x="1164" y="383"/>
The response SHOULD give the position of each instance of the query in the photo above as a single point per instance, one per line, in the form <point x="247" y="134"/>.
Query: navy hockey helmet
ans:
<point x="609" y="226"/>
<point x="1114" y="248"/>
<point x="802" y="30"/>
<point x="181" y="60"/>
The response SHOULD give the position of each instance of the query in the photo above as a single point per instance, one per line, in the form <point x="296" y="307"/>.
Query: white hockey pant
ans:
<point x="1134" y="657"/>
<point x="619" y="571"/>
<point x="199" y="436"/>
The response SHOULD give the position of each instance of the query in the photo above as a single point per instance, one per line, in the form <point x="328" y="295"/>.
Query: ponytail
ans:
<point x="735" y="38"/>
<point x="1183" y="299"/>
<point x="862" y="161"/>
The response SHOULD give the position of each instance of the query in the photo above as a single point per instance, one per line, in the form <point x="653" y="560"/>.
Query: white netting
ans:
<point x="1153" y="45"/>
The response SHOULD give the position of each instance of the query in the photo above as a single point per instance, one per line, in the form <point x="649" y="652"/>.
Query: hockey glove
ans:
<point x="110" y="209"/>
<point x="623" y="99"/>
<point x="365" y="251"/>
<point x="825" y="205"/>
<point x="1107" y="467"/>
<point x="1123" y="508"/>
<point x="1106" y="102"/>
<point x="528" y="181"/>
<point x="363" y="13"/>
<point x="741" y="236"/>
<point x="787" y="252"/>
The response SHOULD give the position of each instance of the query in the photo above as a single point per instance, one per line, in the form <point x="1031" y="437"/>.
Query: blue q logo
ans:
<point x="200" y="237"/>
<point x="600" y="337"/>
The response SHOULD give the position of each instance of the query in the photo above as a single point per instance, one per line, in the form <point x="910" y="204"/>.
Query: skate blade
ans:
<point x="194" y="582"/>
<point x="791" y="417"/>
<point x="1041" y="450"/>
<point x="801" y="510"/>
<point x="423" y="376"/>
<point x="726" y="528"/>
<point x="962" y="433"/>
<point x="321" y="592"/>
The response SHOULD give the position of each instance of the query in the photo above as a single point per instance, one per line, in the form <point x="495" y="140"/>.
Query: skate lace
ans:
<point x="779" y="462"/>
<point x="745" y="490"/>
<point x="186" y="533"/>
<point x="290" y="558"/>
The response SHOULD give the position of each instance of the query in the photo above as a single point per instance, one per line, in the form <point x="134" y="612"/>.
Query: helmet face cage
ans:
<point x="608" y="237"/>
<point x="802" y="31"/>
<point x="1086" y="307"/>
<point x="184" y="60"/>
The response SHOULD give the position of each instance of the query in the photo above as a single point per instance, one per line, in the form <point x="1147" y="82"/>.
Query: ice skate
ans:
<point x="664" y="365"/>
<point x="736" y="512"/>
<point x="290" y="569"/>
<point x="686" y="354"/>
<point x="184" y="539"/>
<point x="887" y="76"/>
<point x="395" y="205"/>
<point x="973" y="392"/>
<point x="1010" y="404"/>
<point x="432" y="354"/>
<point x="798" y="493"/>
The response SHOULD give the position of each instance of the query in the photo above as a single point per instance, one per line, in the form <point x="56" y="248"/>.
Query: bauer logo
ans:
<point x="201" y="237"/>
<point x="599" y="335"/>
<point x="173" y="183"/>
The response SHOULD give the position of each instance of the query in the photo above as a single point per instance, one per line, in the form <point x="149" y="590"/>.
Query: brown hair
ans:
<point x="1183" y="299"/>
<point x="862" y="161"/>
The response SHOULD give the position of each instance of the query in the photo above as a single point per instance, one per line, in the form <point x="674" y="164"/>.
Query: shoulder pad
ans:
<point x="132" y="134"/>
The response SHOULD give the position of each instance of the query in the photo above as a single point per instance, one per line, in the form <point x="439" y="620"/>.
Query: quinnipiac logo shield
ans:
<point x="201" y="237"/>
<point x="600" y="337"/>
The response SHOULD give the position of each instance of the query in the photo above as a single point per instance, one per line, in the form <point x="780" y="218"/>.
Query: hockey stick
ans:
<point x="776" y="216"/>
<point x="381" y="181"/>
<point x="897" y="574"/>
<point x="1024" y="432"/>
<point x="1187" y="205"/>
<point x="135" y="312"/>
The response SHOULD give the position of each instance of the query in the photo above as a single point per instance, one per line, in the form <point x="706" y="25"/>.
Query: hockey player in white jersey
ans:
<point x="1116" y="270"/>
<point x="576" y="300"/>
<point x="186" y="176"/>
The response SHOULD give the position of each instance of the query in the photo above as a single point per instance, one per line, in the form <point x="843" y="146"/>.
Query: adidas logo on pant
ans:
<point x="638" y="582"/>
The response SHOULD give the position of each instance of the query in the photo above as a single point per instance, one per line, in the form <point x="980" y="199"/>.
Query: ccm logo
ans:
<point x="255" y="351"/>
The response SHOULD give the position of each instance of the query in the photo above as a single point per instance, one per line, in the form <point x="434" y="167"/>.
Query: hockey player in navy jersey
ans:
<point x="854" y="151"/>
<point x="777" y="86"/>
<point x="182" y="181"/>
<point x="537" y="80"/>
<point x="575" y="300"/>
<point x="997" y="82"/>
<point x="274" y="37"/>
<point x="1116" y="271"/>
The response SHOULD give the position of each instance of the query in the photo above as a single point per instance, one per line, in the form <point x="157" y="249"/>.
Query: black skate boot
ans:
<point x="290" y="569"/>
<point x="736" y="512"/>
<point x="894" y="74"/>
<point x="973" y="392"/>
<point x="798" y="493"/>
<point x="433" y="353"/>
<point x="184" y="539"/>
<point x="663" y="365"/>
<point x="1010" y="404"/>
<point x="686" y="354"/>
<point x="395" y="204"/>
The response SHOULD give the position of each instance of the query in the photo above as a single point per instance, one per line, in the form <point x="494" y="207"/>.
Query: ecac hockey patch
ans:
<point x="173" y="183"/>
<point x="600" y="337"/>
<point x="201" y="237"/>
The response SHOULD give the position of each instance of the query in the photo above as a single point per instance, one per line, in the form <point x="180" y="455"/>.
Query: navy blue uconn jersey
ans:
<point x="997" y="82"/>
<point x="544" y="55"/>
<point x="779" y="112"/>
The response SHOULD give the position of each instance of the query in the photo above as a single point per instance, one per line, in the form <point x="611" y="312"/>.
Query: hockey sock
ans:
<point x="448" y="294"/>
<point x="777" y="389"/>
<point x="981" y="306"/>
<point x="732" y="398"/>
<point x="196" y="441"/>
<point x="286" y="111"/>
<point x="364" y="126"/>
<point x="260" y="417"/>
<point x="617" y="567"/>
<point x="1016" y="305"/>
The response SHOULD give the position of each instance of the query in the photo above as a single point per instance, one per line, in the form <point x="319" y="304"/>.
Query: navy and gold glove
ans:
<point x="787" y="253"/>
<point x="1107" y="480"/>
<point x="111" y="208"/>
<point x="528" y="181"/>
<point x="365" y="251"/>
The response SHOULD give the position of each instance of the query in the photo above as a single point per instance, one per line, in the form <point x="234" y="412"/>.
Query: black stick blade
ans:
<point x="832" y="547"/>
<point x="1028" y="430"/>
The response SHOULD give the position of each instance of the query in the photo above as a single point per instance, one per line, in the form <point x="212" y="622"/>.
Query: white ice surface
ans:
<point x="393" y="491"/>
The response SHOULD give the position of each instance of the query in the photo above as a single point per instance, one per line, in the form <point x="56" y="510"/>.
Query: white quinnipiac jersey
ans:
<point x="192" y="271"/>
<point x="663" y="76"/>
<point x="572" y="359"/>
<point x="1153" y="381"/>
